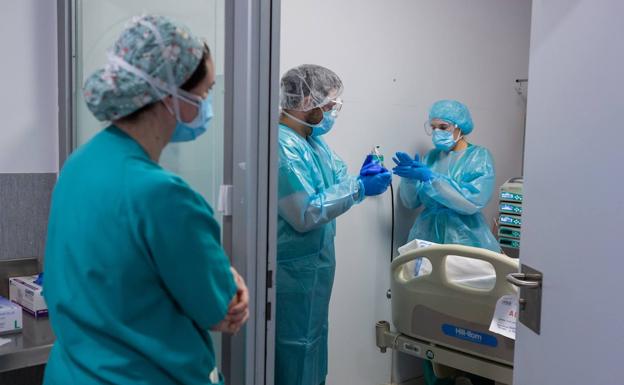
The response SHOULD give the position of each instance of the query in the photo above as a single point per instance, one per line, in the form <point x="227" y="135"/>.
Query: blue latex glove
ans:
<point x="39" y="280"/>
<point x="374" y="177"/>
<point x="376" y="184"/>
<point x="403" y="159"/>
<point x="371" y="167"/>
<point x="422" y="174"/>
<point x="411" y="168"/>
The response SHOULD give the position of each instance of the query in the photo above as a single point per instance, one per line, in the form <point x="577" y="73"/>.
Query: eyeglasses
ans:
<point x="437" y="124"/>
<point x="334" y="106"/>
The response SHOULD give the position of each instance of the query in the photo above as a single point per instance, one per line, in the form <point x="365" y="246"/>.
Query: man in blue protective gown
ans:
<point x="314" y="189"/>
<point x="453" y="182"/>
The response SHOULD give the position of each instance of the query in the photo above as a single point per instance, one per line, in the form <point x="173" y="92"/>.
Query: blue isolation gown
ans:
<point x="314" y="188"/>
<point x="134" y="272"/>
<point x="462" y="185"/>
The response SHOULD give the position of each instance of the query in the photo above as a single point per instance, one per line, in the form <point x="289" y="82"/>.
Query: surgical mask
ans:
<point x="320" y="128"/>
<point x="443" y="140"/>
<point x="325" y="125"/>
<point x="186" y="132"/>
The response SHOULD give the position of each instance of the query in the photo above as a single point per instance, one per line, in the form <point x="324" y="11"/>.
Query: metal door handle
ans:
<point x="529" y="281"/>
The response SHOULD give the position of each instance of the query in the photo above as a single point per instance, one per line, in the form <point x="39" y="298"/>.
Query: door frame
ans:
<point x="66" y="71"/>
<point x="251" y="124"/>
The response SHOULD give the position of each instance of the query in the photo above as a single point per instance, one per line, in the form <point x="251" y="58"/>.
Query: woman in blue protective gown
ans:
<point x="453" y="182"/>
<point x="135" y="273"/>
<point x="314" y="189"/>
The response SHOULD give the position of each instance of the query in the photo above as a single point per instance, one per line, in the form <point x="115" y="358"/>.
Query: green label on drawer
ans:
<point x="510" y="232"/>
<point x="508" y="196"/>
<point x="509" y="220"/>
<point x="510" y="208"/>
<point x="512" y="243"/>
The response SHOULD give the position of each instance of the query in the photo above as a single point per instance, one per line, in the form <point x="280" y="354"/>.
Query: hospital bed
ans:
<point x="442" y="316"/>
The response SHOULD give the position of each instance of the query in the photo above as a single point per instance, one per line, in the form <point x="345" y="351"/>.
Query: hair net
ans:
<point x="309" y="86"/>
<point x="454" y="112"/>
<point x="151" y="58"/>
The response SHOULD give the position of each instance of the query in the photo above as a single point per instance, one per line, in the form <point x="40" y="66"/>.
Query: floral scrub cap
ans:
<point x="152" y="58"/>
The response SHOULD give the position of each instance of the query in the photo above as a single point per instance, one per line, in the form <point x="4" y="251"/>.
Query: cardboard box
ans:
<point x="10" y="317"/>
<point x="26" y="293"/>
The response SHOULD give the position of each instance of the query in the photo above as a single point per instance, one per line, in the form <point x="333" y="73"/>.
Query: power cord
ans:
<point x="376" y="153"/>
<point x="392" y="230"/>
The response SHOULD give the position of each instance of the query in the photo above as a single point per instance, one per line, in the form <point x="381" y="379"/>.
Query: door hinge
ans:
<point x="269" y="279"/>
<point x="224" y="205"/>
<point x="268" y="311"/>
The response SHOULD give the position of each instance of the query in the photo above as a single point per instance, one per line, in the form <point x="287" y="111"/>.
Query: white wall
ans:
<point x="396" y="57"/>
<point x="28" y="101"/>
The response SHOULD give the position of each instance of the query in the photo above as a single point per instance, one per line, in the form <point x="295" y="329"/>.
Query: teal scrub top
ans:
<point x="135" y="275"/>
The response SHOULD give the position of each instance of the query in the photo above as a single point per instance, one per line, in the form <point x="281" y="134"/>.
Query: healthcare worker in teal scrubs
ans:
<point x="135" y="273"/>
<point x="314" y="189"/>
